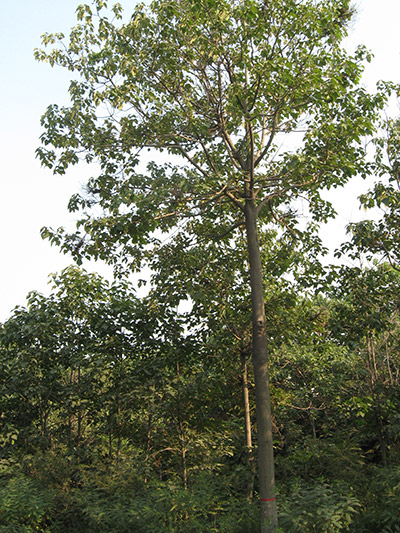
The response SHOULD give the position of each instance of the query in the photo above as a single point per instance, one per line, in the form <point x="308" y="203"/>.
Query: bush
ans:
<point x="318" y="508"/>
<point x="381" y="502"/>
<point x="24" y="506"/>
<point x="167" y="507"/>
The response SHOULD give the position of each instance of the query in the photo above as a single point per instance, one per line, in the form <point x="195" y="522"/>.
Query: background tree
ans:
<point x="379" y="238"/>
<point x="364" y="317"/>
<point x="150" y="415"/>
<point x="150" y="437"/>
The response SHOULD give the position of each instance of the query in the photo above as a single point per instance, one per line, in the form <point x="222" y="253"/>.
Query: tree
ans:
<point x="218" y="86"/>
<point x="67" y="354"/>
<point x="365" y="319"/>
<point x="380" y="238"/>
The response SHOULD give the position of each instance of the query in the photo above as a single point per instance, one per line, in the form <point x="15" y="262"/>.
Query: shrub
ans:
<point x="318" y="508"/>
<point x="24" y="506"/>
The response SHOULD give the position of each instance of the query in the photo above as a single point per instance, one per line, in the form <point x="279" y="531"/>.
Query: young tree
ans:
<point x="364" y="318"/>
<point x="218" y="86"/>
<point x="54" y="352"/>
<point x="380" y="238"/>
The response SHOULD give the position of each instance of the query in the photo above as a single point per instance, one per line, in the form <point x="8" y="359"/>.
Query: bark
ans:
<point x="391" y="380"/>
<point x="247" y="423"/>
<point x="79" y="428"/>
<point x="269" y="516"/>
<point x="43" y="426"/>
<point x="381" y="433"/>
<point x="119" y="428"/>
<point x="148" y="444"/>
<point x="382" y="439"/>
<point x="313" y="428"/>
<point x="181" y="431"/>
<point x="70" y="414"/>
<point x="110" y="437"/>
<point x="184" y="468"/>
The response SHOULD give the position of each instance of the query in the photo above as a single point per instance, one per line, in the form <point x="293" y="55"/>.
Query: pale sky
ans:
<point x="31" y="197"/>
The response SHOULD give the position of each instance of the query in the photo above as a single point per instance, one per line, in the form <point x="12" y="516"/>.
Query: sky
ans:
<point x="31" y="197"/>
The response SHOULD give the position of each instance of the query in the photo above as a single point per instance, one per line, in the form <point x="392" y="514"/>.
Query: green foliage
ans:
<point x="380" y="238"/>
<point x="339" y="458"/>
<point x="216" y="86"/>
<point x="149" y="436"/>
<point x="25" y="506"/>
<point x="317" y="508"/>
<point x="379" y="497"/>
<point x="168" y="508"/>
<point x="114" y="398"/>
<point x="125" y="415"/>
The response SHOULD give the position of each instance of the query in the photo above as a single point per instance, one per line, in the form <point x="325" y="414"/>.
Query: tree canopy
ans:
<point x="218" y="86"/>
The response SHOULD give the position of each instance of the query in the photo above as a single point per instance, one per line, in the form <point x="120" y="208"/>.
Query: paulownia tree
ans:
<point x="255" y="106"/>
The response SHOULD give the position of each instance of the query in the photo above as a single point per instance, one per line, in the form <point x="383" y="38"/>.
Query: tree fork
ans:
<point x="265" y="451"/>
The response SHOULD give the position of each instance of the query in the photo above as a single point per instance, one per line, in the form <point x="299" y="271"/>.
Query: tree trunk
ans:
<point x="110" y="436"/>
<point x="119" y="428"/>
<point x="79" y="428"/>
<point x="247" y="424"/>
<point x="381" y="432"/>
<point x="373" y="368"/>
<point x="148" y="443"/>
<point x="43" y="425"/>
<point x="181" y="431"/>
<point x="269" y="516"/>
